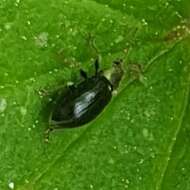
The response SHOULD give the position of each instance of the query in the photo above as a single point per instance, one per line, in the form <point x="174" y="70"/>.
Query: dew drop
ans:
<point x="2" y="87"/>
<point x="111" y="21"/>
<point x="3" y="104"/>
<point x="111" y="161"/>
<point x="32" y="79"/>
<point x="7" y="26"/>
<point x="124" y="4"/>
<point x="91" y="186"/>
<point x="41" y="40"/>
<point x="6" y="74"/>
<point x="126" y="186"/>
<point x="28" y="22"/>
<point x="11" y="185"/>
<point x="166" y="4"/>
<point x="24" y="38"/>
<point x="103" y="19"/>
<point x="114" y="147"/>
<point x="23" y="111"/>
<point x="144" y="22"/>
<point x="119" y="39"/>
<point x="26" y="181"/>
<point x="145" y="132"/>
<point x="141" y="161"/>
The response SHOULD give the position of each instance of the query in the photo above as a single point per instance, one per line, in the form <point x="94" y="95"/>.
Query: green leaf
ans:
<point x="141" y="140"/>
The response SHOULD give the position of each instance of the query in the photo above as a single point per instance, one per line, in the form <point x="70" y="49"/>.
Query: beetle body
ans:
<point x="81" y="104"/>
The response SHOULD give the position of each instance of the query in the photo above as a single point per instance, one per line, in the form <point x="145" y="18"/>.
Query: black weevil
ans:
<point x="78" y="105"/>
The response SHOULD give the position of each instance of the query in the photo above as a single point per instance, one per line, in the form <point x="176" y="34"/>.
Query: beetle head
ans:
<point x="115" y="74"/>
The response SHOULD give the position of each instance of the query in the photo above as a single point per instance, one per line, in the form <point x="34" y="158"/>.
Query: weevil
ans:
<point x="80" y="104"/>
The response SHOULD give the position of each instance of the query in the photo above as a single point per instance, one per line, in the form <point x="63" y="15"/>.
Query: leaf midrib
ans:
<point x="172" y="145"/>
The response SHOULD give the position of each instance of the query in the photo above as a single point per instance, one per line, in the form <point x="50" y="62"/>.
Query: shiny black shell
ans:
<point x="79" y="105"/>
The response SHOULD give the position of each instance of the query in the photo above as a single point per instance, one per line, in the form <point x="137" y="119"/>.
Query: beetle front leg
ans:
<point x="83" y="74"/>
<point x="47" y="134"/>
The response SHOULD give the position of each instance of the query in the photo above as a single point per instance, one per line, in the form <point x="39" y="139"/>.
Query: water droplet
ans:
<point x="14" y="103"/>
<point x="3" y="104"/>
<point x="145" y="132"/>
<point x="42" y="39"/>
<point x="28" y="22"/>
<point x="49" y="99"/>
<point x="114" y="147"/>
<point x="156" y="33"/>
<point x="166" y="4"/>
<point x="183" y="169"/>
<point x="127" y="181"/>
<point x="11" y="185"/>
<point x="178" y="14"/>
<point x="141" y="161"/>
<point x="17" y="3"/>
<point x="111" y="161"/>
<point x="24" y="38"/>
<point x="32" y="79"/>
<point x="7" y="26"/>
<point x="26" y="181"/>
<point x="6" y="74"/>
<point x="144" y="22"/>
<point x="103" y="19"/>
<point x="147" y="113"/>
<point x="152" y="155"/>
<point x="111" y="21"/>
<point x="91" y="186"/>
<point x="174" y="138"/>
<point x="2" y="87"/>
<point x="23" y="110"/>
<point x="126" y="186"/>
<point x="119" y="39"/>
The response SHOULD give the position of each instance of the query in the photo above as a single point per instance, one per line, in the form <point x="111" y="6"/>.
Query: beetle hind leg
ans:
<point x="83" y="74"/>
<point x="96" y="63"/>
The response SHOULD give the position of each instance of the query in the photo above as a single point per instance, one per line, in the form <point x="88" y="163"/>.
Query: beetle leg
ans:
<point x="96" y="66"/>
<point x="46" y="134"/>
<point x="72" y="87"/>
<point x="83" y="74"/>
<point x="111" y="86"/>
